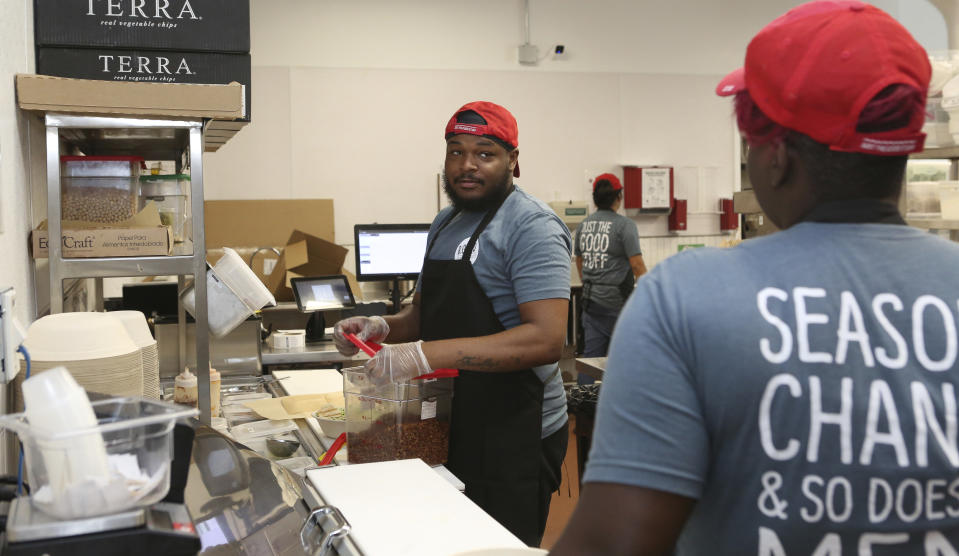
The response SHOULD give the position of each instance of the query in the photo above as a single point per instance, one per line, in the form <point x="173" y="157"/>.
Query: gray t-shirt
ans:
<point x="801" y="386"/>
<point x="522" y="256"/>
<point x="606" y="240"/>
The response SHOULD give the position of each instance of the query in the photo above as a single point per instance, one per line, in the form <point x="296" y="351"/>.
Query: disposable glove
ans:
<point x="398" y="362"/>
<point x="373" y="329"/>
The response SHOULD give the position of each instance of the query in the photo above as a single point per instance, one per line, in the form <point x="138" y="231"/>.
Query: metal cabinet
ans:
<point x="154" y="139"/>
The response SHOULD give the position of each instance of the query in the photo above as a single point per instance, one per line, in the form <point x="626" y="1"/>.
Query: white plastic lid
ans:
<point x="241" y="279"/>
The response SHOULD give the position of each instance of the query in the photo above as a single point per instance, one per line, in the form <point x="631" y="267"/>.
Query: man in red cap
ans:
<point x="609" y="261"/>
<point x="491" y="301"/>
<point x="795" y="394"/>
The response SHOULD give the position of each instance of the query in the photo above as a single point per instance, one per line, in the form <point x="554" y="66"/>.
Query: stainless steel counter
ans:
<point x="242" y="503"/>
<point x="321" y="353"/>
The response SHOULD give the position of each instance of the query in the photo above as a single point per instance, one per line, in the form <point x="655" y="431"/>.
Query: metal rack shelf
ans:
<point x="180" y="140"/>
<point x="937" y="152"/>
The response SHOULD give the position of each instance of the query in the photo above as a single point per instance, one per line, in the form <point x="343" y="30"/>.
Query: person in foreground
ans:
<point x="609" y="261"/>
<point x="796" y="394"/>
<point x="491" y="301"/>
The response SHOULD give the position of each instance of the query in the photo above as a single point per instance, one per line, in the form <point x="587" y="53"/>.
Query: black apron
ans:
<point x="497" y="416"/>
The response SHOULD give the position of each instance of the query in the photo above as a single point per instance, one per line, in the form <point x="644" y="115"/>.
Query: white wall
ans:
<point x="350" y="98"/>
<point x="16" y="56"/>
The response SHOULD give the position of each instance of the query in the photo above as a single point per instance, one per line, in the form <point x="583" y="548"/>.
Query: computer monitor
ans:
<point x="389" y="251"/>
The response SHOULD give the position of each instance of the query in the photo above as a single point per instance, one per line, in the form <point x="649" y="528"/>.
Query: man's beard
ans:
<point x="493" y="195"/>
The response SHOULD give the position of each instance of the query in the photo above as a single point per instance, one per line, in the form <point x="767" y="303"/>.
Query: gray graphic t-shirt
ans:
<point x="522" y="256"/>
<point x="801" y="386"/>
<point x="606" y="240"/>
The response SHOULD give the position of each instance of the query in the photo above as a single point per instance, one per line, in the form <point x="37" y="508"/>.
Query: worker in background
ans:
<point x="491" y="301"/>
<point x="795" y="394"/>
<point x="609" y="262"/>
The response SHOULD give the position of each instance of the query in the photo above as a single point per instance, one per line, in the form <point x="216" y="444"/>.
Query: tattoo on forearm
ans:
<point x="485" y="363"/>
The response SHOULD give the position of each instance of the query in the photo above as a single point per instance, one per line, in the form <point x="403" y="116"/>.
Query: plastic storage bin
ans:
<point x="99" y="188"/>
<point x="933" y="169"/>
<point x="138" y="436"/>
<point x="397" y="421"/>
<point x="922" y="199"/>
<point x="169" y="193"/>
<point x="233" y="294"/>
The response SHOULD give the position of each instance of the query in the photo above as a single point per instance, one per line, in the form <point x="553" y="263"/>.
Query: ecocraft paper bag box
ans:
<point x="140" y="236"/>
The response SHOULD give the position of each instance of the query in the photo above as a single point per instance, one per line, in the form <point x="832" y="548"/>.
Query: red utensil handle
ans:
<point x="334" y="448"/>
<point x="368" y="349"/>
<point x="440" y="373"/>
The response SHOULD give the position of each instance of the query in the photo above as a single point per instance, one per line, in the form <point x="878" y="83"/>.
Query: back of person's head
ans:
<point x="606" y="190"/>
<point x="844" y="86"/>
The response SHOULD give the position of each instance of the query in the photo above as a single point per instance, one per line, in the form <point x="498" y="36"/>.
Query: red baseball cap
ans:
<point x="500" y="125"/>
<point x="613" y="180"/>
<point x="814" y="69"/>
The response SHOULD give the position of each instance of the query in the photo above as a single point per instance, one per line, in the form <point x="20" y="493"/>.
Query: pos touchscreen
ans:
<point x="322" y="293"/>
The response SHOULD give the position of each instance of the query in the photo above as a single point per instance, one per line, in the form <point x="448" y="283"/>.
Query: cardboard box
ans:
<point x="307" y="255"/>
<point x="145" y="66"/>
<point x="265" y="222"/>
<point x="58" y="94"/>
<point x="212" y="25"/>
<point x="140" y="236"/>
<point x="744" y="202"/>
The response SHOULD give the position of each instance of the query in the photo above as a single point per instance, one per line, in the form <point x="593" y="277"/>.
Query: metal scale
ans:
<point x="165" y="528"/>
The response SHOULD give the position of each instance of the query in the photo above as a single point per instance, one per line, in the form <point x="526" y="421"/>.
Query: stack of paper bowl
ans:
<point x="94" y="347"/>
<point x="139" y="331"/>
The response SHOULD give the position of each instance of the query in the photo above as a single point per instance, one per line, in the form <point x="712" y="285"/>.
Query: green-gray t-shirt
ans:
<point x="802" y="387"/>
<point x="606" y="240"/>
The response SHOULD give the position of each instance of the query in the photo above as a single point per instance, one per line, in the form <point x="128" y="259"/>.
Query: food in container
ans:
<point x="99" y="188"/>
<point x="185" y="389"/>
<point x="169" y="193"/>
<point x="398" y="420"/>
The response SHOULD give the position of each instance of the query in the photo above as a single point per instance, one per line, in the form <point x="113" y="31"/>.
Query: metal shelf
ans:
<point x="937" y="152"/>
<point x="933" y="223"/>
<point x="153" y="138"/>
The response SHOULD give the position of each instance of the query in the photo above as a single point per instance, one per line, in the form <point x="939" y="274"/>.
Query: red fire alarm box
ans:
<point x="677" y="217"/>
<point x="728" y="219"/>
<point x="648" y="188"/>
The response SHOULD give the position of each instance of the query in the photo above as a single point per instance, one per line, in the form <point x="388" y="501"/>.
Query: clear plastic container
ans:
<point x="922" y="199"/>
<point x="233" y="294"/>
<point x="138" y="436"/>
<point x="99" y="188"/>
<point x="397" y="421"/>
<point x="929" y="170"/>
<point x="262" y="429"/>
<point x="169" y="193"/>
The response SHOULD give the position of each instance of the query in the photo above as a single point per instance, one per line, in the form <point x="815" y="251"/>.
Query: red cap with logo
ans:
<point x="613" y="180"/>
<point x="500" y="125"/>
<point x="814" y="69"/>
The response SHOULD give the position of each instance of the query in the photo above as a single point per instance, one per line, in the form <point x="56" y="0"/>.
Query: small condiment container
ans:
<point x="214" y="392"/>
<point x="184" y="389"/>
